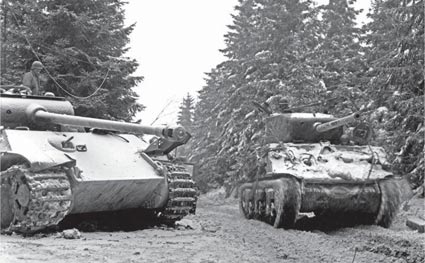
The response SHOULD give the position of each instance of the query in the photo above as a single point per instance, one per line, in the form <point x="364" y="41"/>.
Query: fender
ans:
<point x="20" y="151"/>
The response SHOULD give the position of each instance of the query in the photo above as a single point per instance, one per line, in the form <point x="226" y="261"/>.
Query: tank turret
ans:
<point x="306" y="127"/>
<point x="43" y="113"/>
<point x="55" y="165"/>
<point x="310" y="166"/>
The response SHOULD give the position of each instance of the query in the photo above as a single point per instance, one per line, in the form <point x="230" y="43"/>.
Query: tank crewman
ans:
<point x="277" y="104"/>
<point x="32" y="79"/>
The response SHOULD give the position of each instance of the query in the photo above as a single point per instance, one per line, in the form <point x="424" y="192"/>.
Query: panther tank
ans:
<point x="55" y="164"/>
<point x="310" y="165"/>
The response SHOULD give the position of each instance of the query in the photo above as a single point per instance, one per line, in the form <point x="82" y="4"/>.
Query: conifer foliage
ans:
<point x="395" y="56"/>
<point x="81" y="44"/>
<point x="185" y="116"/>
<point x="338" y="59"/>
<point x="308" y="52"/>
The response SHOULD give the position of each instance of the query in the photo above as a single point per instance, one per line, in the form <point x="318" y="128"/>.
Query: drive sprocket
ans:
<point x="36" y="200"/>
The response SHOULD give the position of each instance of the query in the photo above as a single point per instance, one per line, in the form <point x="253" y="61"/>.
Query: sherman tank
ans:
<point x="309" y="164"/>
<point x="55" y="164"/>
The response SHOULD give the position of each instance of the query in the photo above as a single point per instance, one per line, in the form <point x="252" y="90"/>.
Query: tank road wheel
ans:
<point x="270" y="208"/>
<point x="392" y="192"/>
<point x="259" y="204"/>
<point x="251" y="208"/>
<point x="287" y="196"/>
<point x="276" y="202"/>
<point x="246" y="202"/>
<point x="36" y="200"/>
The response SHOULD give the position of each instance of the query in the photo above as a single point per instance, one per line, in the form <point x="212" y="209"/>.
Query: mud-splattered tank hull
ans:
<point x="49" y="174"/>
<point x="333" y="181"/>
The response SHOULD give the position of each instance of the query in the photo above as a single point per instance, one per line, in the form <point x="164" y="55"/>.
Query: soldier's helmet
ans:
<point x="37" y="65"/>
<point x="278" y="103"/>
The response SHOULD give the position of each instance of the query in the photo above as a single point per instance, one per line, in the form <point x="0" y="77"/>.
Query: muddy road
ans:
<point x="218" y="233"/>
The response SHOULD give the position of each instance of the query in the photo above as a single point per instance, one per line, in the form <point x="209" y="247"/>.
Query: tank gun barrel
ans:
<point x="38" y="113"/>
<point x="323" y="127"/>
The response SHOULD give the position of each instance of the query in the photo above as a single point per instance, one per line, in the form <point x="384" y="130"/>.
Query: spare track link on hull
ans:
<point x="275" y="201"/>
<point x="37" y="200"/>
<point x="181" y="194"/>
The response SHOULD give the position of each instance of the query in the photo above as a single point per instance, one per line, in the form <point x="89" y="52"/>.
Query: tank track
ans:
<point x="278" y="202"/>
<point x="394" y="191"/>
<point x="274" y="201"/>
<point x="182" y="195"/>
<point x="37" y="200"/>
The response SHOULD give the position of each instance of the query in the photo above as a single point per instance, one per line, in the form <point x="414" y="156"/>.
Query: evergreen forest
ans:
<point x="309" y="53"/>
<point x="82" y="45"/>
<point x="313" y="55"/>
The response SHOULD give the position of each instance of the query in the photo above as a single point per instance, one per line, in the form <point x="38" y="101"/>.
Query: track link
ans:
<point x="276" y="202"/>
<point x="37" y="200"/>
<point x="394" y="191"/>
<point x="182" y="195"/>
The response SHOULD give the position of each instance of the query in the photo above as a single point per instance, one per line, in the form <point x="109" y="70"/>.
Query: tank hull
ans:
<point x="325" y="162"/>
<point x="98" y="196"/>
<point x="98" y="156"/>
<point x="112" y="174"/>
<point x="62" y="173"/>
<point x="329" y="180"/>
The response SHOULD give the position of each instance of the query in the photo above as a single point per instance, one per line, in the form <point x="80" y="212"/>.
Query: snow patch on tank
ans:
<point x="330" y="162"/>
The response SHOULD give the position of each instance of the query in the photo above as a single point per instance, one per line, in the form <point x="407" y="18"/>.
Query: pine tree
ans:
<point x="185" y="115"/>
<point x="338" y="57"/>
<point x="395" y="52"/>
<point x="395" y="48"/>
<point x="268" y="47"/>
<point x="207" y="129"/>
<point x="282" y="47"/>
<point x="82" y="45"/>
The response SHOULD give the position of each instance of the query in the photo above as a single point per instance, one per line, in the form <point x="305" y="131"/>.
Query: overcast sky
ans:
<point x="175" y="43"/>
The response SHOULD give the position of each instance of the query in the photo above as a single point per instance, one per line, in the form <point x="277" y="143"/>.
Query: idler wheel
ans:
<point x="23" y="195"/>
<point x="20" y="197"/>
